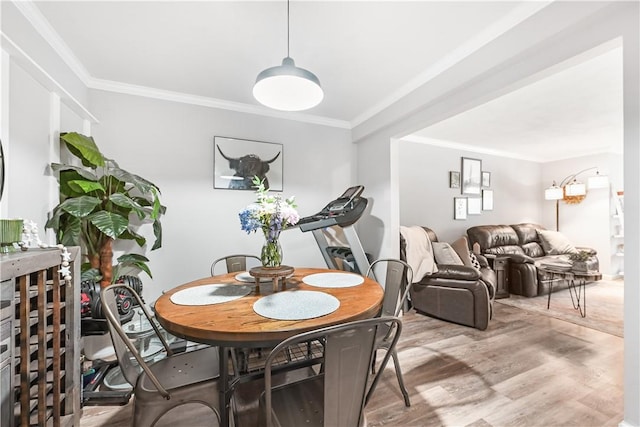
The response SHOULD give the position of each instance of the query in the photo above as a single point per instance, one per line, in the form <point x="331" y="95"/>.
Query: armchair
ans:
<point x="459" y="293"/>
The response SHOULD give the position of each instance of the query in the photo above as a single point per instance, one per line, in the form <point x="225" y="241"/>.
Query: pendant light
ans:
<point x="287" y="87"/>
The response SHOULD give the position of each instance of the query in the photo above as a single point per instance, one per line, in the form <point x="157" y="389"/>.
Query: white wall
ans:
<point x="171" y="144"/>
<point x="427" y="200"/>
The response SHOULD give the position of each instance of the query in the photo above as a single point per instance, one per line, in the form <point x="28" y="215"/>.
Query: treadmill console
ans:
<point x="343" y="211"/>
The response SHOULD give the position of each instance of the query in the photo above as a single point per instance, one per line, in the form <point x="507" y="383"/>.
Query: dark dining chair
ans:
<point x="178" y="379"/>
<point x="336" y="396"/>
<point x="398" y="276"/>
<point x="234" y="263"/>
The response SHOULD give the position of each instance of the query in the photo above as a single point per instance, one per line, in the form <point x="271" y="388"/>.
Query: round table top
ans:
<point x="235" y="323"/>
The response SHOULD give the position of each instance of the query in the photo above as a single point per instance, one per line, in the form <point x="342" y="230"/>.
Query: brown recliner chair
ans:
<point x="456" y="293"/>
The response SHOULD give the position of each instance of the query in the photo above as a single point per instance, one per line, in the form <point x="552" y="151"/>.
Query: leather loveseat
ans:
<point x="527" y="246"/>
<point x="457" y="293"/>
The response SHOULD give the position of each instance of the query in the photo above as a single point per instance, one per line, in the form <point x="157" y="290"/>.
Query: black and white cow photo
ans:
<point x="237" y="161"/>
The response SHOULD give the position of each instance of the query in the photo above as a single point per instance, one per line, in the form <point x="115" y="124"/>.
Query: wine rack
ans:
<point x="45" y="345"/>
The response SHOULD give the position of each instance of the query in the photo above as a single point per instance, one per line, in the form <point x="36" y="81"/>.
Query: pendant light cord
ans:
<point x="287" y="28"/>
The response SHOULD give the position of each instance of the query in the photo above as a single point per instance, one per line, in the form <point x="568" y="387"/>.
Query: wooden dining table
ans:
<point x="235" y="324"/>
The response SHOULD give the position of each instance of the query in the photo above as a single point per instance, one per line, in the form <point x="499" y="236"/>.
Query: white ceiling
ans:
<point x="365" y="53"/>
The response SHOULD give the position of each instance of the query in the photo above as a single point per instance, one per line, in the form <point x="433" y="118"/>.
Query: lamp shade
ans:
<point x="553" y="193"/>
<point x="598" y="181"/>
<point x="287" y="87"/>
<point x="575" y="189"/>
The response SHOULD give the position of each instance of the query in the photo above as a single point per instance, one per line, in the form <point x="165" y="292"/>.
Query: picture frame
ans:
<point x="474" y="205"/>
<point x="236" y="161"/>
<point x="471" y="176"/>
<point x="487" y="200"/>
<point x="460" y="208"/>
<point x="454" y="179"/>
<point x="486" y="179"/>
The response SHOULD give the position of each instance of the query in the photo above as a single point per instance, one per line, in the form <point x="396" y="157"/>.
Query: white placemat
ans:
<point x="333" y="280"/>
<point x="296" y="305"/>
<point x="210" y="294"/>
<point x="246" y="277"/>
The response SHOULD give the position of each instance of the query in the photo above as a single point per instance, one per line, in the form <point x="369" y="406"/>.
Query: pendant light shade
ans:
<point x="287" y="87"/>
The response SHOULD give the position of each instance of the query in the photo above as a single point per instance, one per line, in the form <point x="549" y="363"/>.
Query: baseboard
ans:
<point x="626" y="424"/>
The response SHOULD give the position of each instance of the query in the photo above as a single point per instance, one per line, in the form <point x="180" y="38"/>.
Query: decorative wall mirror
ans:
<point x="1" y="170"/>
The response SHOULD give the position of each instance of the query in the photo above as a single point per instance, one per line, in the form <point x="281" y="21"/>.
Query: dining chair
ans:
<point x="398" y="276"/>
<point x="335" y="396"/>
<point x="234" y="263"/>
<point x="189" y="377"/>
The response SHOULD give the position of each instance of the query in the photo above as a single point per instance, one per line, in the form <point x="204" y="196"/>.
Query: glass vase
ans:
<point x="271" y="255"/>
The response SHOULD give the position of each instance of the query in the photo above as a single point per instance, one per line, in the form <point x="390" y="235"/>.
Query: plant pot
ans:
<point x="10" y="233"/>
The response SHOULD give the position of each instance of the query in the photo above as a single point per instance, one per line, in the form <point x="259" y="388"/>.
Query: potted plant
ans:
<point x="100" y="203"/>
<point x="579" y="260"/>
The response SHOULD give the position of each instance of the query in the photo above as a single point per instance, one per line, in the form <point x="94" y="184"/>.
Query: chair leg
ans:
<point x="403" y="389"/>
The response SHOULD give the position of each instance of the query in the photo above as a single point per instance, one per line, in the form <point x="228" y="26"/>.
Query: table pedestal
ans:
<point x="276" y="274"/>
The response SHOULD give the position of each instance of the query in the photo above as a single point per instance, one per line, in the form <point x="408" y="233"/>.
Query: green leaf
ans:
<point x="80" y="206"/>
<point x="109" y="223"/>
<point x="82" y="186"/>
<point x="71" y="232"/>
<point x="83" y="147"/>
<point x="123" y="201"/>
<point x="92" y="274"/>
<point x="131" y="235"/>
<point x="134" y="260"/>
<point x="57" y="167"/>
<point x="157" y="231"/>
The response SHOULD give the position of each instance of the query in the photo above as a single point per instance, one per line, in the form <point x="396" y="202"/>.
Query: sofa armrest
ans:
<point x="519" y="258"/>
<point x="455" y="272"/>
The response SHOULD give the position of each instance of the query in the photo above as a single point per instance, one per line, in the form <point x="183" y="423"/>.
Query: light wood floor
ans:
<point x="526" y="369"/>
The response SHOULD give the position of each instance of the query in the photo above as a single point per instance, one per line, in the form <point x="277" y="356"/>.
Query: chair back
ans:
<point x="129" y="359"/>
<point x="396" y="289"/>
<point x="234" y="263"/>
<point x="348" y="352"/>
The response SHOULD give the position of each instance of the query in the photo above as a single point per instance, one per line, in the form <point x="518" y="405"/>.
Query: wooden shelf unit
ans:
<point x="45" y="388"/>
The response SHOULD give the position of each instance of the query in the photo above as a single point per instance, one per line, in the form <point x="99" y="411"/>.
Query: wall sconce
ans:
<point x="573" y="191"/>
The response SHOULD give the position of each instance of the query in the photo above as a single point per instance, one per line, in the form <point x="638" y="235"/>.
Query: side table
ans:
<point x="500" y="264"/>
<point x="276" y="274"/>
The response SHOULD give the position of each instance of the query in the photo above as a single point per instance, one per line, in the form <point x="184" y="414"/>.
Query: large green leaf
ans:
<point x="83" y="147"/>
<point x="82" y="186"/>
<point x="109" y="223"/>
<point x="57" y="167"/>
<point x="134" y="260"/>
<point x="131" y="235"/>
<point x="142" y="185"/>
<point x="71" y="232"/>
<point x="157" y="231"/>
<point x="80" y="206"/>
<point x="123" y="201"/>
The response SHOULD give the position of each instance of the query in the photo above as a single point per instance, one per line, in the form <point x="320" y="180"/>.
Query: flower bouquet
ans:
<point x="271" y="214"/>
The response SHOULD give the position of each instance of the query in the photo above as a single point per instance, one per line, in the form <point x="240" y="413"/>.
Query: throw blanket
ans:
<point x="419" y="251"/>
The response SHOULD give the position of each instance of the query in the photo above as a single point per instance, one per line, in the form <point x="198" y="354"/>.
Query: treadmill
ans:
<point x="344" y="212"/>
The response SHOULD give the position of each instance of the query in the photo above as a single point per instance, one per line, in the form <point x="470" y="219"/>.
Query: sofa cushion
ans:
<point x="533" y="249"/>
<point x="461" y="246"/>
<point x="555" y="243"/>
<point x="527" y="232"/>
<point x="492" y="236"/>
<point x="445" y="254"/>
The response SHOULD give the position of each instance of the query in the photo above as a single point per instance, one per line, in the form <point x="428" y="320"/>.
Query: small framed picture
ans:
<point x="471" y="176"/>
<point x="487" y="200"/>
<point x="474" y="205"/>
<point x="454" y="179"/>
<point x="459" y="208"/>
<point x="486" y="179"/>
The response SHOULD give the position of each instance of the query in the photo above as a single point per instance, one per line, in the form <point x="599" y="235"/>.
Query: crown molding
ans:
<point x="516" y="17"/>
<point x="44" y="28"/>
<point x="500" y="153"/>
<point x="42" y="76"/>
<point x="203" y="101"/>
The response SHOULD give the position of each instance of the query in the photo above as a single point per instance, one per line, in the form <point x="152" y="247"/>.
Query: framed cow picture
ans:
<point x="236" y="161"/>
